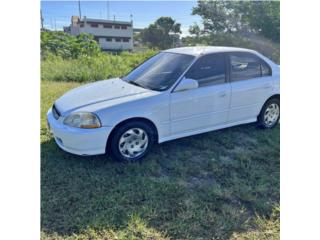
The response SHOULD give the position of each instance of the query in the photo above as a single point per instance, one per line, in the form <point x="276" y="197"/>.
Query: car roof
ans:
<point x="202" y="50"/>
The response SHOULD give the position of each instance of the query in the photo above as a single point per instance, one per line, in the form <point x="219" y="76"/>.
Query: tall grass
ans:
<point x="91" y="68"/>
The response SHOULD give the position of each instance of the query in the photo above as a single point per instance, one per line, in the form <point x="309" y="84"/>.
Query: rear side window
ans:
<point x="265" y="69"/>
<point x="208" y="70"/>
<point x="245" y="66"/>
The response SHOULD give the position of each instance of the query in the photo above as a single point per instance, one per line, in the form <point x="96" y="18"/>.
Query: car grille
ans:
<point x="55" y="112"/>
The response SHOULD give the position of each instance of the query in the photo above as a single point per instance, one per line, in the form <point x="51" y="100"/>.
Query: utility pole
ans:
<point x="114" y="17"/>
<point x="79" y="9"/>
<point x="55" y="25"/>
<point x="108" y="10"/>
<point x="42" y="19"/>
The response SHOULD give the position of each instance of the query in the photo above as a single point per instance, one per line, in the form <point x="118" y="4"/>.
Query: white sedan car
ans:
<point x="177" y="93"/>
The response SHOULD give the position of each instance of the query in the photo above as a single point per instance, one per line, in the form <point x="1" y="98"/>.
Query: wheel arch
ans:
<point x="142" y="119"/>
<point x="276" y="96"/>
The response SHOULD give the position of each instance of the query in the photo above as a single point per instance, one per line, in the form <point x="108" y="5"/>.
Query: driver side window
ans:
<point x="208" y="70"/>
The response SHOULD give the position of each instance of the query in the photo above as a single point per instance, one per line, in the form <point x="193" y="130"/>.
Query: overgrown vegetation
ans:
<point x="58" y="64"/>
<point x="66" y="46"/>
<point x="91" y="68"/>
<point x="216" y="185"/>
<point x="80" y="59"/>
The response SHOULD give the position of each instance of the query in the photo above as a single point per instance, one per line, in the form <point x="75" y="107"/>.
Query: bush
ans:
<point x="91" y="68"/>
<point x="66" y="46"/>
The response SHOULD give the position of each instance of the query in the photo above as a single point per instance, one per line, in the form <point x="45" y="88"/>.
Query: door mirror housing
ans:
<point x="186" y="84"/>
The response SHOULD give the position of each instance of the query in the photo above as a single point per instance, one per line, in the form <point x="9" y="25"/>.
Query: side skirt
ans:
<point x="195" y="132"/>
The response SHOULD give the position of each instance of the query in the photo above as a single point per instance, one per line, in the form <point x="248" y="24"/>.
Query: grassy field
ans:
<point x="218" y="185"/>
<point x="91" y="68"/>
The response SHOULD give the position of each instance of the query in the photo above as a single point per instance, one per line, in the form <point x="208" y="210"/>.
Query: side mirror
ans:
<point x="186" y="84"/>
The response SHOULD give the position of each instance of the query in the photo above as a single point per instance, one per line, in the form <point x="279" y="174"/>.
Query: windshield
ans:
<point x="159" y="72"/>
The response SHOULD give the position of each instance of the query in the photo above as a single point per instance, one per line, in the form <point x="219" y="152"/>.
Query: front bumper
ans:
<point x="77" y="140"/>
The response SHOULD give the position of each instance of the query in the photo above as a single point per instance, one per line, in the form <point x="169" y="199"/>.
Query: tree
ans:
<point x="67" y="46"/>
<point x="214" y="15"/>
<point x="261" y="17"/>
<point x="195" y="30"/>
<point x="158" y="34"/>
<point x="264" y="17"/>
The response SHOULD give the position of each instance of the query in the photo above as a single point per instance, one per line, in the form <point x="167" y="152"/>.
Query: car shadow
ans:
<point x="219" y="180"/>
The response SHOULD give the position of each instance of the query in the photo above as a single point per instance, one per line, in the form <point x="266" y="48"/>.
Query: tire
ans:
<point x="270" y="114"/>
<point x="132" y="141"/>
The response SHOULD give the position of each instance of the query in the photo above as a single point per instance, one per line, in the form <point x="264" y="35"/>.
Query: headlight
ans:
<point x="82" y="120"/>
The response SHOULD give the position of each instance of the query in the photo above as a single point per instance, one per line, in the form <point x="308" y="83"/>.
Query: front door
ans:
<point x="206" y="106"/>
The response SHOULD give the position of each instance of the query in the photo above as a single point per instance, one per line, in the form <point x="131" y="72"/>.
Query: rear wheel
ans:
<point x="270" y="113"/>
<point x="132" y="141"/>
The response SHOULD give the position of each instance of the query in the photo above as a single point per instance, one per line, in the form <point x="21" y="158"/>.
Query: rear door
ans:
<point x="207" y="105"/>
<point x="251" y="85"/>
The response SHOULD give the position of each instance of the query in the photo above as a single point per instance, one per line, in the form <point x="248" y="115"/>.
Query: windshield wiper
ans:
<point x="136" y="84"/>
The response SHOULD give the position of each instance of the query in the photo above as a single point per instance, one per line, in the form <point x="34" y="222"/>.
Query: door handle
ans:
<point x="222" y="94"/>
<point x="266" y="86"/>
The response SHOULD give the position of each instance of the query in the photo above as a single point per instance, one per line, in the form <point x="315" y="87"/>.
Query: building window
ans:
<point x="109" y="39"/>
<point x="125" y="39"/>
<point x="118" y="39"/>
<point x="116" y="26"/>
<point x="95" y="25"/>
<point x="107" y="25"/>
<point x="123" y="27"/>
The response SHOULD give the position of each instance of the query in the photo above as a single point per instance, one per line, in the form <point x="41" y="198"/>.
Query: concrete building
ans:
<point x="111" y="35"/>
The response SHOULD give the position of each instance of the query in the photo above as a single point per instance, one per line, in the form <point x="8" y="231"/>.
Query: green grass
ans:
<point x="91" y="68"/>
<point x="218" y="185"/>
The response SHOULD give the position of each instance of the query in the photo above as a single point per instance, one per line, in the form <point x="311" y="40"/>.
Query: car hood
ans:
<point x="97" y="92"/>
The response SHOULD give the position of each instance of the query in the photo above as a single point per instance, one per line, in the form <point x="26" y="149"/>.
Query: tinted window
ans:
<point x="244" y="66"/>
<point x="265" y="69"/>
<point x="208" y="70"/>
<point x="161" y="71"/>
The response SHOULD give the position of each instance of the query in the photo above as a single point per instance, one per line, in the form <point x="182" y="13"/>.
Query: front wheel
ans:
<point x="132" y="141"/>
<point x="270" y="113"/>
